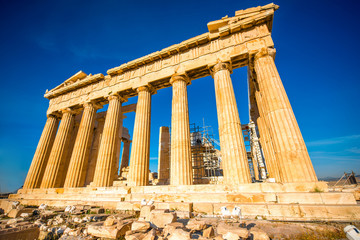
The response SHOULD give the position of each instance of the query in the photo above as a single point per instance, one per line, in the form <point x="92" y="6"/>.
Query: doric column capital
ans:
<point x="117" y="96"/>
<point x="92" y="104"/>
<point x="56" y="115"/>
<point x="220" y="66"/>
<point x="68" y="110"/>
<point x="262" y="52"/>
<point x="178" y="77"/>
<point x="147" y="88"/>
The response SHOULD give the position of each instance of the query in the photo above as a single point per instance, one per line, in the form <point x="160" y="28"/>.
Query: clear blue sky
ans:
<point x="45" y="42"/>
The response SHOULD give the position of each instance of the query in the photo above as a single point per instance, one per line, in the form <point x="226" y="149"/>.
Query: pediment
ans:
<point x="76" y="81"/>
<point x="74" y="78"/>
<point x="243" y="18"/>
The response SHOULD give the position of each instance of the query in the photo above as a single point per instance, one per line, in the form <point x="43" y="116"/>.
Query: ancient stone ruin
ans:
<point x="77" y="157"/>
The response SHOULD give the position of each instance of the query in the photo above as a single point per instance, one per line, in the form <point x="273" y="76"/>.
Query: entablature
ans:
<point x="193" y="58"/>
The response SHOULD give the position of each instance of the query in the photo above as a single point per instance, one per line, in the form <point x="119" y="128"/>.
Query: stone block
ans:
<point x="98" y="230"/>
<point x="177" y="206"/>
<point x="124" y="206"/>
<point x="170" y="228"/>
<point x="145" y="212"/>
<point x="183" y="214"/>
<point x="250" y="198"/>
<point x="224" y="228"/>
<point x="300" y="198"/>
<point x="305" y="187"/>
<point x="112" y="232"/>
<point x="208" y="232"/>
<point x="283" y="211"/>
<point x="196" y="225"/>
<point x="135" y="236"/>
<point x="179" y="234"/>
<point x="203" y="208"/>
<point x="160" y="211"/>
<point x="123" y="227"/>
<point x="311" y="212"/>
<point x="140" y="226"/>
<point x="338" y="198"/>
<point x="231" y="236"/>
<point x="14" y="213"/>
<point x="109" y="221"/>
<point x="160" y="219"/>
<point x="343" y="212"/>
<point x="259" y="235"/>
<point x="6" y="205"/>
<point x="151" y="235"/>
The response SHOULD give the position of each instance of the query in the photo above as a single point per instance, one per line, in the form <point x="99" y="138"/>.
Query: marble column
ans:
<point x="65" y="167"/>
<point x="290" y="149"/>
<point x="57" y="158"/>
<point x="107" y="152"/>
<point x="41" y="156"/>
<point x="125" y="154"/>
<point x="164" y="155"/>
<point x="94" y="150"/>
<point x="79" y="159"/>
<point x="272" y="165"/>
<point x="233" y="153"/>
<point x="140" y="151"/>
<point x="181" y="166"/>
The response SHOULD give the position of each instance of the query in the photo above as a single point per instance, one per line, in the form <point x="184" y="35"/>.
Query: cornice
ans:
<point x="217" y="29"/>
<point x="83" y="82"/>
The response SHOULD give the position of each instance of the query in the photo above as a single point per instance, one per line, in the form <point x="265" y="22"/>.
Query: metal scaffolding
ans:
<point x="206" y="158"/>
<point x="254" y="153"/>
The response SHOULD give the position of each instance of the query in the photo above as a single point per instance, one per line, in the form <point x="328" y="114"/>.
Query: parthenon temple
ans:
<point x="78" y="157"/>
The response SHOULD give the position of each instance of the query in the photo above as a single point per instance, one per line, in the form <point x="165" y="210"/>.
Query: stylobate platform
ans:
<point x="276" y="201"/>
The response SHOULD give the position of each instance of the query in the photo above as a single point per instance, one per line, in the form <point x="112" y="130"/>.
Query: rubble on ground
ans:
<point x="82" y="222"/>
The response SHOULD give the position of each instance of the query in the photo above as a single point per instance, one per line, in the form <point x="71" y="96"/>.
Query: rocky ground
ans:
<point x="90" y="222"/>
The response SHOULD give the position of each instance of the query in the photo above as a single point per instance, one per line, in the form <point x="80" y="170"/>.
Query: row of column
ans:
<point x="52" y="168"/>
<point x="286" y="156"/>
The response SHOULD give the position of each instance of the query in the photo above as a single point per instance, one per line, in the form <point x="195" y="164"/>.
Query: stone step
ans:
<point x="303" y="198"/>
<point x="274" y="211"/>
<point x="282" y="197"/>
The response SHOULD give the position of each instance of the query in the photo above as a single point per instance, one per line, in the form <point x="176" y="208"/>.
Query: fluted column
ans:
<point x="57" y="159"/>
<point x="181" y="167"/>
<point x="107" y="152"/>
<point x="290" y="148"/>
<point x="94" y="150"/>
<point x="125" y="155"/>
<point x="79" y="159"/>
<point x="140" y="151"/>
<point x="164" y="155"/>
<point x="41" y="156"/>
<point x="272" y="165"/>
<point x="233" y="153"/>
